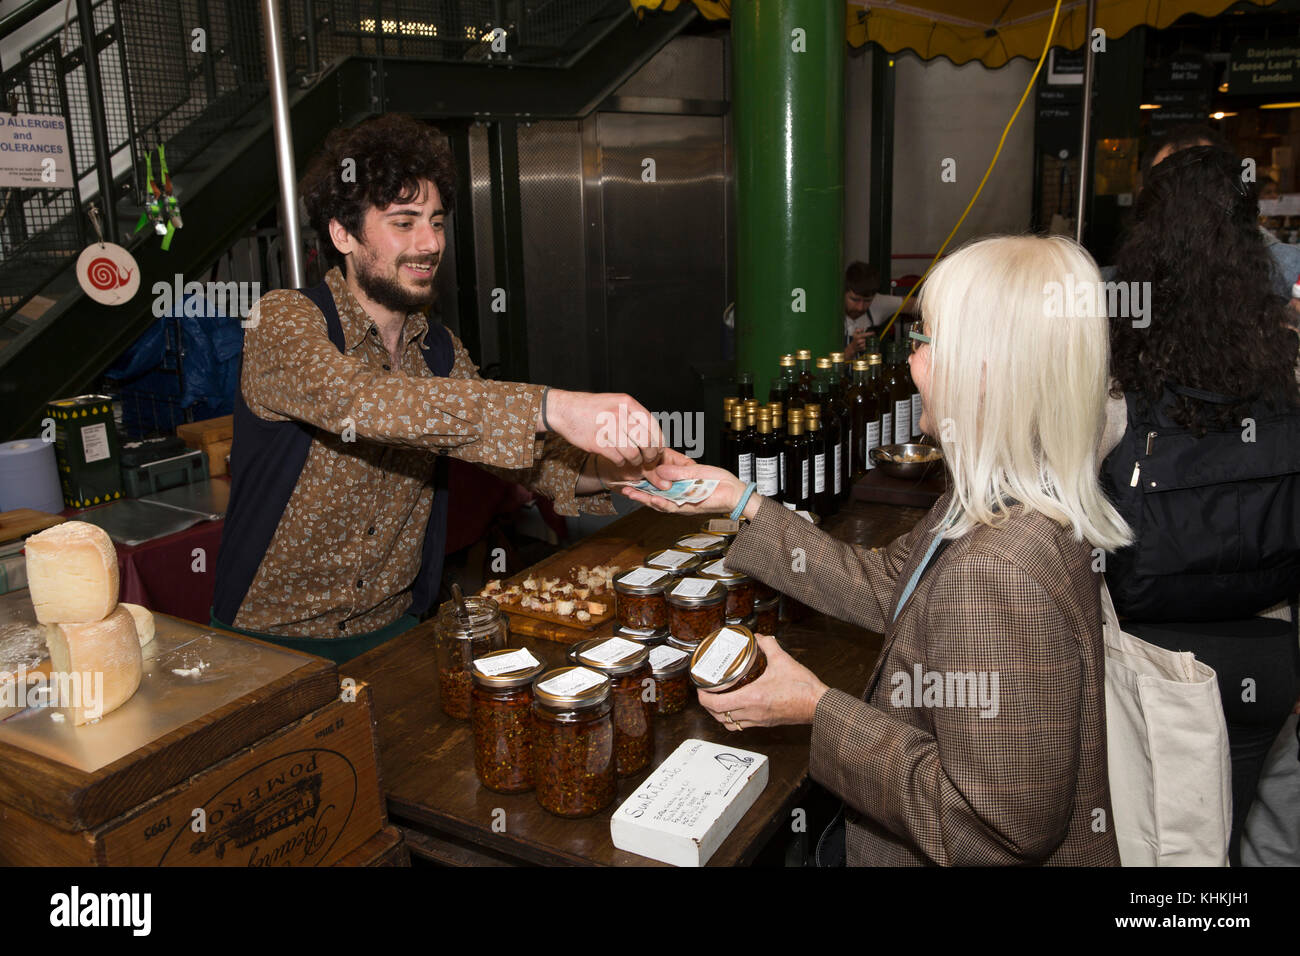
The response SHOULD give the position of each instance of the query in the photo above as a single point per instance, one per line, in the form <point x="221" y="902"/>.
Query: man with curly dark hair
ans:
<point x="349" y="395"/>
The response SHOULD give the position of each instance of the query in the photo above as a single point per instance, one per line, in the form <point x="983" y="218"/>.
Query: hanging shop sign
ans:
<point x="1264" y="67"/>
<point x="34" y="152"/>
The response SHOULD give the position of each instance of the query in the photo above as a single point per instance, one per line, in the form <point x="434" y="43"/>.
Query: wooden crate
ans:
<point x="212" y="436"/>
<point x="385" y="848"/>
<point x="306" y="795"/>
<point x="75" y="800"/>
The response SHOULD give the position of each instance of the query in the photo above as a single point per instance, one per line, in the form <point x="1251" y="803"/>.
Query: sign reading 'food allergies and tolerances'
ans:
<point x="1264" y="67"/>
<point x="34" y="151"/>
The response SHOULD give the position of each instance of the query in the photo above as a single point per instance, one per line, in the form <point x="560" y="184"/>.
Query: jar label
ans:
<point x="669" y="559"/>
<point x="722" y="653"/>
<point x="717" y="567"/>
<point x="701" y="541"/>
<point x="571" y="682"/>
<point x="665" y="656"/>
<point x="642" y="577"/>
<point x="611" y="651"/>
<point x="693" y="587"/>
<point x="506" y="663"/>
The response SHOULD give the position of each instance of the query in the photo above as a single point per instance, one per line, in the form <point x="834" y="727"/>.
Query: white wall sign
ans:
<point x="27" y="140"/>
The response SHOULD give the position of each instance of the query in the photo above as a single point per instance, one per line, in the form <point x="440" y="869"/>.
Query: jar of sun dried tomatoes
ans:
<point x="767" y="615"/>
<point x="670" y="666"/>
<point x="458" y="642"/>
<point x="724" y="528"/>
<point x="501" y="706"/>
<point x="680" y="563"/>
<point x="727" y="660"/>
<point x="650" y="637"/>
<point x="696" y="608"/>
<point x="639" y="597"/>
<point x="627" y="665"/>
<point x="573" y="742"/>
<point x="740" y="587"/>
<point x="706" y="546"/>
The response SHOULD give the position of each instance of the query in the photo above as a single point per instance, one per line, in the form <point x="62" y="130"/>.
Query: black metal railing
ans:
<point x="185" y="72"/>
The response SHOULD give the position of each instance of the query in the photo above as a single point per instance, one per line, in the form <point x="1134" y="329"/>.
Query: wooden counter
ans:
<point x="427" y="761"/>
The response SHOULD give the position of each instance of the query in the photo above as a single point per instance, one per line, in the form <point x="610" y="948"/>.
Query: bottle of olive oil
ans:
<point x="797" y="490"/>
<point x="724" y="448"/>
<point x="818" y="473"/>
<point x="805" y="379"/>
<point x="740" y="456"/>
<point x="900" y="393"/>
<point x="831" y="433"/>
<point x="836" y="419"/>
<point x="863" y="414"/>
<point x="767" y="457"/>
<point x="780" y="390"/>
<point x="791" y="379"/>
<point x="880" y="375"/>
<point x="841" y="377"/>
<point x="778" y="433"/>
<point x="745" y="385"/>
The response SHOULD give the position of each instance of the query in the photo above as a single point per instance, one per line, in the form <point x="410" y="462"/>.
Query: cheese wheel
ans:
<point x="72" y="573"/>
<point x="103" y="663"/>
<point x="143" y="621"/>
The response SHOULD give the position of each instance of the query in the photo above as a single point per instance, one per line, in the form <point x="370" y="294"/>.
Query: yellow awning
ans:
<point x="991" y="31"/>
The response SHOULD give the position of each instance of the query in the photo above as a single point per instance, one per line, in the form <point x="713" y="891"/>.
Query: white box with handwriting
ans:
<point x="690" y="803"/>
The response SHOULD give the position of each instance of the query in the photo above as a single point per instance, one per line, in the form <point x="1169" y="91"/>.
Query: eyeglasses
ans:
<point x="918" y="339"/>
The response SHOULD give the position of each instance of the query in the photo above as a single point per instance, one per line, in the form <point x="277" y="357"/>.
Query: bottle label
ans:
<point x="767" y="469"/>
<point x="838" y="458"/>
<point x="781" y="471"/>
<point x="887" y="428"/>
<point x="903" y="422"/>
<point x="803" y="469"/>
<point x="819" y="474"/>
<point x="746" y="467"/>
<point x="916" y="415"/>
<point x="873" y="441"/>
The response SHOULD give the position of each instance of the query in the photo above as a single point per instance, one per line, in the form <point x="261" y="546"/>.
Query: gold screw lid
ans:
<point x="874" y="359"/>
<point x="859" y="365"/>
<point x="571" y="688"/>
<point x="614" y="655"/>
<point x="723" y="657"/>
<point x="837" y="358"/>
<point x="510" y="667"/>
<point x="787" y="361"/>
<point x="823" y="363"/>
<point x="803" y="355"/>
<point x="812" y="410"/>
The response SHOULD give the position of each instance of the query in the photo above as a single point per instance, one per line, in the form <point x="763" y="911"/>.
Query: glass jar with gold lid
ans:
<point x="727" y="660"/>
<point x="702" y="544"/>
<point x="670" y="667"/>
<point x="740" y="587"/>
<point x="501" y="705"/>
<point x="696" y="607"/>
<point x="680" y="563"/>
<point x="458" y="641"/>
<point x="627" y="665"/>
<point x="639" y="597"/>
<point x="573" y="742"/>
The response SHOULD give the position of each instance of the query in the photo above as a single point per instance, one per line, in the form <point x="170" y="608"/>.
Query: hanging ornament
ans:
<point x="107" y="272"/>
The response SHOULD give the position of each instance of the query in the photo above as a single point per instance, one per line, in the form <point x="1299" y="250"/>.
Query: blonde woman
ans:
<point x="995" y="586"/>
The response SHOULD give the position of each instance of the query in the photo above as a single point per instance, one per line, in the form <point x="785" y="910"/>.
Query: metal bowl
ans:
<point x="910" y="469"/>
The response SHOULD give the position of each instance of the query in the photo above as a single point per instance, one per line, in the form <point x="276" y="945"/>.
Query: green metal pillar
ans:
<point x="788" y="109"/>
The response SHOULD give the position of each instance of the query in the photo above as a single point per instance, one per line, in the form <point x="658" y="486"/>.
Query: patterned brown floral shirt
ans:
<point x="351" y="536"/>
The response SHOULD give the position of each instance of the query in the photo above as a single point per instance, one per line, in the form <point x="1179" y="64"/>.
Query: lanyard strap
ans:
<point x="920" y="569"/>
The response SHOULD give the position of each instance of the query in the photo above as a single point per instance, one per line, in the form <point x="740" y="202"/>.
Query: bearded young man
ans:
<point x="349" y="395"/>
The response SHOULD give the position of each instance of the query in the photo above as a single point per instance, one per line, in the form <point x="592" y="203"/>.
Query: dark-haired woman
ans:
<point x="1200" y="446"/>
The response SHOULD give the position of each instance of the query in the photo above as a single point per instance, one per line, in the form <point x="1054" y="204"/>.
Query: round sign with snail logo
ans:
<point x="108" y="273"/>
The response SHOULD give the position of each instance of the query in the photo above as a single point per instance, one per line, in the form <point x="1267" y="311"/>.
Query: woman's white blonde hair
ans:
<point x="1019" y="369"/>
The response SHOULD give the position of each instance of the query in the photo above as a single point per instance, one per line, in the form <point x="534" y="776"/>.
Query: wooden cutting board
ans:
<point x="21" y="522"/>
<point x="618" y="551"/>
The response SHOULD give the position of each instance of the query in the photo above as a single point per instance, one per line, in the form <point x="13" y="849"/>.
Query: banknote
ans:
<point x="687" y="491"/>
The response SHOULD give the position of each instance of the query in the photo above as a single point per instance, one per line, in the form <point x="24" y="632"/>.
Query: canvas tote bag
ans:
<point x="1167" y="752"/>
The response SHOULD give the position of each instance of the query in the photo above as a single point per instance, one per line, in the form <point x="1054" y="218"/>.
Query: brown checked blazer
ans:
<point x="925" y="778"/>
